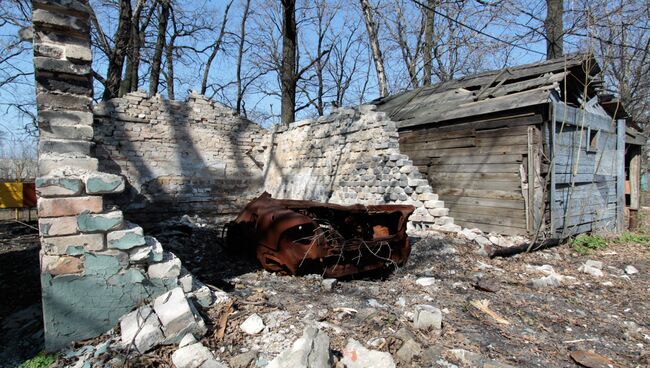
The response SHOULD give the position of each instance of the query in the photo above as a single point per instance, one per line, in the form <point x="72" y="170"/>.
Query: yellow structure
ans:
<point x="11" y="195"/>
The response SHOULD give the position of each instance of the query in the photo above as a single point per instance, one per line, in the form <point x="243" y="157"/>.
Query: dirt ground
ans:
<point x="539" y="327"/>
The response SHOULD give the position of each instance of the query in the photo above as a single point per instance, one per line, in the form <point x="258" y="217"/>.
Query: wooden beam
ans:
<point x="635" y="177"/>
<point x="620" y="179"/>
<point x="579" y="117"/>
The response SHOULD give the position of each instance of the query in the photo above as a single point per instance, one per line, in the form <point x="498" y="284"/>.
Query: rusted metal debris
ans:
<point x="302" y="237"/>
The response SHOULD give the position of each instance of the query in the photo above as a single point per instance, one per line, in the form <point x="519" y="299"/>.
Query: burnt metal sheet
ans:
<point x="302" y="237"/>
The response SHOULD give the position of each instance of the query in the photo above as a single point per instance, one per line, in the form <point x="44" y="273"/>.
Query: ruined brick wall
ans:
<point x="350" y="156"/>
<point x="95" y="266"/>
<point x="179" y="157"/>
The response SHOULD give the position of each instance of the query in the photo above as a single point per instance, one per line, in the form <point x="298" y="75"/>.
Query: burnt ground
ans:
<point x="21" y="326"/>
<point x="541" y="327"/>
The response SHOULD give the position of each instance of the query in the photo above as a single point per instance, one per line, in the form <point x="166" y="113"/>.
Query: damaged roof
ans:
<point x="489" y="92"/>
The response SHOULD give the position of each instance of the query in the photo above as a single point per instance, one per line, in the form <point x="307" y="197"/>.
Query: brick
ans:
<point x="427" y="197"/>
<point x="58" y="186"/>
<point x="52" y="51"/>
<point x="55" y="207"/>
<point x="88" y="222"/>
<point x="60" y="66"/>
<point x="61" y="5"/>
<point x="63" y="244"/>
<point x="103" y="183"/>
<point x="130" y="237"/>
<point x="77" y="85"/>
<point x="65" y="266"/>
<point x="57" y="226"/>
<point x="64" y="146"/>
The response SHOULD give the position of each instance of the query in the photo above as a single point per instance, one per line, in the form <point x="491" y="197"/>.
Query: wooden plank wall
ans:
<point x="585" y="178"/>
<point x="475" y="172"/>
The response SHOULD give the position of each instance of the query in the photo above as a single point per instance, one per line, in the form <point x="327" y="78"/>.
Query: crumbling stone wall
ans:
<point x="350" y="156"/>
<point x="95" y="266"/>
<point x="179" y="157"/>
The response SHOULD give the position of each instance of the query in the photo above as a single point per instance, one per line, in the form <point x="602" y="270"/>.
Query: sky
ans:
<point x="12" y="122"/>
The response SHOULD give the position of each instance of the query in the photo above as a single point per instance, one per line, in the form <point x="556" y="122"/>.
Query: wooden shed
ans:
<point x="522" y="150"/>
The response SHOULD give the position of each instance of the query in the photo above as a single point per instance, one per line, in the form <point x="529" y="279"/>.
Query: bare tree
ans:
<point x="216" y="46"/>
<point x="240" y="56"/>
<point x="289" y="65"/>
<point x="428" y="42"/>
<point x="118" y="53"/>
<point x="371" y="28"/>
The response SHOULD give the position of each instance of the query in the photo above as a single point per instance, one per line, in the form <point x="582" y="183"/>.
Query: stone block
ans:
<point x="129" y="237"/>
<point x="58" y="186"/>
<point x="88" y="222"/>
<point x="58" y="20"/>
<point x="103" y="183"/>
<point x="310" y="350"/>
<point x="78" y="53"/>
<point x="141" y="329"/>
<point x="49" y="163"/>
<point x="62" y="146"/>
<point x="63" y="244"/>
<point x="438" y="212"/>
<point x="177" y="316"/>
<point x="60" y="66"/>
<point x="70" y="206"/>
<point x="46" y="100"/>
<point x="355" y="355"/>
<point x="48" y="50"/>
<point x="56" y="226"/>
<point x="66" y="117"/>
<point x="65" y="265"/>
<point x="434" y="204"/>
<point x="49" y="131"/>
<point x="168" y="268"/>
<point x="444" y="220"/>
<point x="427" y="197"/>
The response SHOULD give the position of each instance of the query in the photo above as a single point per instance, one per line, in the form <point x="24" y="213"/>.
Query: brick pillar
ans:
<point x="94" y="265"/>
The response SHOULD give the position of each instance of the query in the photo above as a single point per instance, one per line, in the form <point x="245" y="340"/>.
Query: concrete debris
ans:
<point x="552" y="280"/>
<point x="594" y="264"/>
<point x="356" y="355"/>
<point x="188" y="339"/>
<point x="631" y="270"/>
<point x="178" y="316"/>
<point x="253" y="324"/>
<point x="312" y="350"/>
<point x="243" y="360"/>
<point x="427" y="317"/>
<point x="142" y="329"/>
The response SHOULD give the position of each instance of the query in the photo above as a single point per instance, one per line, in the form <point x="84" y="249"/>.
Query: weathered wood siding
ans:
<point x="476" y="172"/>
<point x="585" y="174"/>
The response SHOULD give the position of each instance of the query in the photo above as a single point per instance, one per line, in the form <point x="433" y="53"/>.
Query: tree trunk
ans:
<point x="169" y="61"/>
<point x="116" y="62"/>
<point x="554" y="28"/>
<point x="428" y="42"/>
<point x="156" y="61"/>
<point x="215" y="48"/>
<point x="288" y="67"/>
<point x="132" y="56"/>
<point x="240" y="56"/>
<point x="374" y="46"/>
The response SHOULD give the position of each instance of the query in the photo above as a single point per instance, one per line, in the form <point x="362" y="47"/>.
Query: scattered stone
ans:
<point x="203" y="296"/>
<point x="594" y="264"/>
<point x="312" y="350"/>
<point x="329" y="284"/>
<point x="426" y="281"/>
<point x="631" y="270"/>
<point x="488" y="285"/>
<point x="427" y="317"/>
<point x="191" y="356"/>
<point x="243" y="360"/>
<point x="142" y="329"/>
<point x="253" y="324"/>
<point x="409" y="350"/>
<point x="591" y="270"/>
<point x="356" y="355"/>
<point x="476" y="360"/>
<point x="552" y="280"/>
